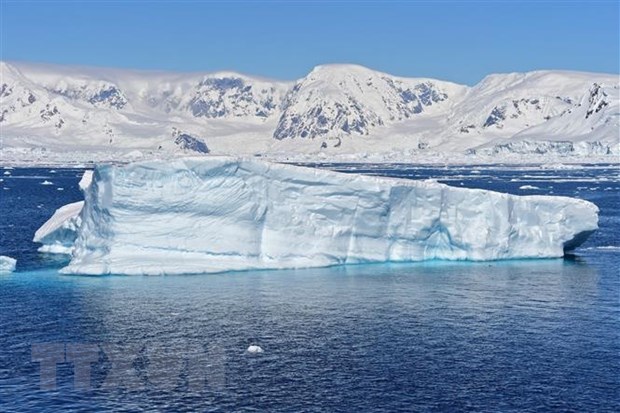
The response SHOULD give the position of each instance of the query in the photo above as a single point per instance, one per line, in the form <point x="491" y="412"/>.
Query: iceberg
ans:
<point x="254" y="349"/>
<point x="215" y="214"/>
<point x="7" y="264"/>
<point x="59" y="233"/>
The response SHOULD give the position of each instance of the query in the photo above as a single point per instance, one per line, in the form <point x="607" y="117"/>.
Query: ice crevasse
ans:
<point x="214" y="214"/>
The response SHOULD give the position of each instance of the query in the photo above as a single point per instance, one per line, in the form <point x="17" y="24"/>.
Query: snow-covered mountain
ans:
<point x="336" y="110"/>
<point x="334" y="100"/>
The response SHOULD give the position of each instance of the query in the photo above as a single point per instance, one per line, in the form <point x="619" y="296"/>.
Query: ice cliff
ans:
<point x="217" y="214"/>
<point x="58" y="233"/>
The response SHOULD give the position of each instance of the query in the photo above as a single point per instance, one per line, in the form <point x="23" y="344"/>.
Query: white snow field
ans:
<point x="214" y="214"/>
<point x="7" y="264"/>
<point x="66" y="115"/>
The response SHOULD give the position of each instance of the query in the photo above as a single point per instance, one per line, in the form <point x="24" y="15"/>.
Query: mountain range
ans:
<point x="335" y="110"/>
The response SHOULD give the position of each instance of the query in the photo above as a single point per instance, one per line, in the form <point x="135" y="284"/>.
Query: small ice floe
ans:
<point x="60" y="189"/>
<point x="7" y="172"/>
<point x="254" y="349"/>
<point x="52" y="171"/>
<point x="46" y="182"/>
<point x="528" y="187"/>
<point x="608" y="248"/>
<point x="7" y="265"/>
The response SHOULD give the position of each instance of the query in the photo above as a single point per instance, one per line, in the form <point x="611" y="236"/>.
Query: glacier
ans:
<point x="215" y="214"/>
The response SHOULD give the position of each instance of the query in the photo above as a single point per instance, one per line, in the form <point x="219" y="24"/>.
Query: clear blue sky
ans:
<point x="459" y="41"/>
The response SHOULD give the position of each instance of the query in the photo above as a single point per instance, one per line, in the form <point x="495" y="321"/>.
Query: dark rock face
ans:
<point x="110" y="96"/>
<point x="497" y="115"/>
<point x="5" y="90"/>
<point x="107" y="95"/>
<point x="305" y="117"/>
<point x="597" y="100"/>
<point x="188" y="142"/>
<point x="231" y="96"/>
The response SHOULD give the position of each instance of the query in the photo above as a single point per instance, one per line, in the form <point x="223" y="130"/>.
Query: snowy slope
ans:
<point x="50" y="112"/>
<point x="215" y="214"/>
<point x="107" y="109"/>
<point x="592" y="126"/>
<point x="505" y="106"/>
<point x="335" y="100"/>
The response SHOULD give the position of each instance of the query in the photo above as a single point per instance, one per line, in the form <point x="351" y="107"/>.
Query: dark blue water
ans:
<point x="535" y="335"/>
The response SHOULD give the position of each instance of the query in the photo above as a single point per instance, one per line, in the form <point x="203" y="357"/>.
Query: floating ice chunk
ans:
<point x="610" y="248"/>
<point x="60" y="231"/>
<point x="46" y="182"/>
<point x="253" y="349"/>
<point x="219" y="214"/>
<point x="87" y="178"/>
<point x="7" y="264"/>
<point x="7" y="172"/>
<point x="528" y="187"/>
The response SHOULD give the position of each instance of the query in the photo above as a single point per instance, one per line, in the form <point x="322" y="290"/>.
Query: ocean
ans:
<point x="502" y="336"/>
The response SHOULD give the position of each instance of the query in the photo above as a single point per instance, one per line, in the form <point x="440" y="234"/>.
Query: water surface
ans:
<point x="531" y="335"/>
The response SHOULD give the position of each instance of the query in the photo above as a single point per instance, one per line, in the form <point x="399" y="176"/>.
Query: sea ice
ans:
<point x="7" y="264"/>
<point x="253" y="349"/>
<point x="214" y="214"/>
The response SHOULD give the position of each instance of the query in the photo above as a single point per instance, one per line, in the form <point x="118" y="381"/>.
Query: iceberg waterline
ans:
<point x="216" y="214"/>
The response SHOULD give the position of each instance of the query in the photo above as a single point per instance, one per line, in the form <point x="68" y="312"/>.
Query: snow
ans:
<point x="7" y="264"/>
<point x="60" y="115"/>
<point x="214" y="214"/>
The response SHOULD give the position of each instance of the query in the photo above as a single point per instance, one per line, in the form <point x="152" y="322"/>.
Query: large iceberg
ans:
<point x="216" y="214"/>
